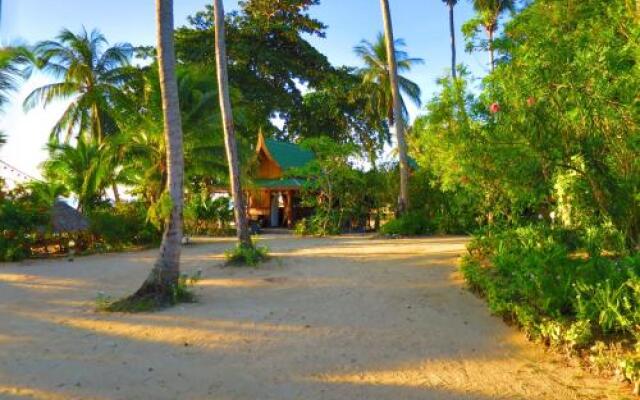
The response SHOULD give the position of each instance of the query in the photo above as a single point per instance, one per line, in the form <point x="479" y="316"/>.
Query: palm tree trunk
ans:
<point x="231" y="145"/>
<point x="166" y="270"/>
<point x="97" y="125"/>
<point x="403" y="199"/>
<point x="452" y="30"/>
<point x="116" y="193"/>
<point x="491" y="51"/>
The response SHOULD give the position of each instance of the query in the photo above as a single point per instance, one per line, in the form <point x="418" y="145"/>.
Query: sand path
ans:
<point x="345" y="318"/>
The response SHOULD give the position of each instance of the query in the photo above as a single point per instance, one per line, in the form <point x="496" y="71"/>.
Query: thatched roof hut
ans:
<point x="66" y="219"/>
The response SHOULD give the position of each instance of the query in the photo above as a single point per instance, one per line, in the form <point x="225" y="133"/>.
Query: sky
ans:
<point x="423" y="24"/>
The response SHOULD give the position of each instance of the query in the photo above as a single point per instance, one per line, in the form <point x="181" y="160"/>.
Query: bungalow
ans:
<point x="273" y="199"/>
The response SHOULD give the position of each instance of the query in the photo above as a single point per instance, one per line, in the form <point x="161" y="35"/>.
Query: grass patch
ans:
<point x="243" y="255"/>
<point x="153" y="300"/>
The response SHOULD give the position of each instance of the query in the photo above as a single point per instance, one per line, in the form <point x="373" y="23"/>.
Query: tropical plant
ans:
<point x="231" y="145"/>
<point x="15" y="65"/>
<point x="81" y="169"/>
<point x="488" y="15"/>
<point x="382" y="63"/>
<point x="46" y="192"/>
<point x="91" y="77"/>
<point x="376" y="75"/>
<point x="333" y="188"/>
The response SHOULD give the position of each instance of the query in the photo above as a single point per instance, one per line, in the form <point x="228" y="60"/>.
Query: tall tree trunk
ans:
<point x="491" y="51"/>
<point x="403" y="198"/>
<point x="231" y="145"/>
<point x="116" y="193"/>
<point x="166" y="270"/>
<point x="452" y="30"/>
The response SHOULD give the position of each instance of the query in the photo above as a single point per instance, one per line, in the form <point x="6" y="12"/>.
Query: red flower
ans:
<point x="494" y="108"/>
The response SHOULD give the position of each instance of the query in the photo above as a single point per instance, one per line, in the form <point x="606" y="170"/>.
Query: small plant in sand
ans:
<point x="180" y="293"/>
<point x="243" y="255"/>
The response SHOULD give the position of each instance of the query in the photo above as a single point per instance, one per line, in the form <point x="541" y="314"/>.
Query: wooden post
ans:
<point x="289" y="208"/>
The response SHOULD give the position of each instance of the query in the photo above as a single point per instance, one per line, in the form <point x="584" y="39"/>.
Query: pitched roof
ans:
<point x="65" y="218"/>
<point x="288" y="155"/>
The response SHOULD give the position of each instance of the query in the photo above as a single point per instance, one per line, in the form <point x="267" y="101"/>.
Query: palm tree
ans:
<point x="396" y="84"/>
<point x="91" y="76"/>
<point x="242" y="229"/>
<point x="375" y="75"/>
<point x="452" y="32"/>
<point x="81" y="169"/>
<point x="161" y="284"/>
<point x="141" y="156"/>
<point x="14" y="65"/>
<point x="489" y="12"/>
<point x="46" y="193"/>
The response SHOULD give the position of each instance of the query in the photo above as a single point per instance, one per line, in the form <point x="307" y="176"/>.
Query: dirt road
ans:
<point x="344" y="318"/>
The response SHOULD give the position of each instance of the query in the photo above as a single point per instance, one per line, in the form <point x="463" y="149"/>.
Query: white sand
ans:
<point x="344" y="318"/>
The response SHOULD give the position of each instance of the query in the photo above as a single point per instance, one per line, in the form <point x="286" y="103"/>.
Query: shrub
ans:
<point x="20" y="219"/>
<point x="246" y="255"/>
<point x="411" y="223"/>
<point x="530" y="276"/>
<point x="123" y="225"/>
<point x="206" y="216"/>
<point x="319" y="224"/>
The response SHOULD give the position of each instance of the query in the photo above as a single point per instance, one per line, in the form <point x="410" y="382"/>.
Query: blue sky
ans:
<point x="423" y="24"/>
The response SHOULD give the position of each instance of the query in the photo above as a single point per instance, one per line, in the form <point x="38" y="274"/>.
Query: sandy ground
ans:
<point x="346" y="318"/>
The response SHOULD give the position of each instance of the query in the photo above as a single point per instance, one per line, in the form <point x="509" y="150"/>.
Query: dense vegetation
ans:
<point x="542" y="158"/>
<point x="538" y="159"/>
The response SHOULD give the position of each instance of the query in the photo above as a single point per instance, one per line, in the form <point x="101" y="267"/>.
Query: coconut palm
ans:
<point x="141" y="150"/>
<point x="375" y="74"/>
<point x="489" y="12"/>
<point x="383" y="63"/>
<point x="161" y="286"/>
<point x="15" y="65"/>
<point x="231" y="145"/>
<point x="452" y="32"/>
<point x="92" y="77"/>
<point x="46" y="193"/>
<point x="81" y="169"/>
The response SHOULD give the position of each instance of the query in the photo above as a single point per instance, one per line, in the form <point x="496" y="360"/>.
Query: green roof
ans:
<point x="288" y="155"/>
<point x="286" y="183"/>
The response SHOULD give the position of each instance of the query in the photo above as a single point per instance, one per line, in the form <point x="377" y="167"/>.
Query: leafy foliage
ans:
<point x="331" y="188"/>
<point x="15" y="65"/>
<point x="94" y="79"/>
<point x="242" y="255"/>
<point x="206" y="215"/>
<point x="122" y="226"/>
<point x="410" y="223"/>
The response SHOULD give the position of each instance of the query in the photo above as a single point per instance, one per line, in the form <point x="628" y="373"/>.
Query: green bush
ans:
<point x="529" y="275"/>
<point x="20" y="219"/>
<point x="123" y="225"/>
<point x="206" y="216"/>
<point x="411" y="223"/>
<point x="246" y="255"/>
<point x="319" y="224"/>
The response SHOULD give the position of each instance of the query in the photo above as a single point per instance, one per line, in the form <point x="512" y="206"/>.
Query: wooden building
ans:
<point x="274" y="197"/>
